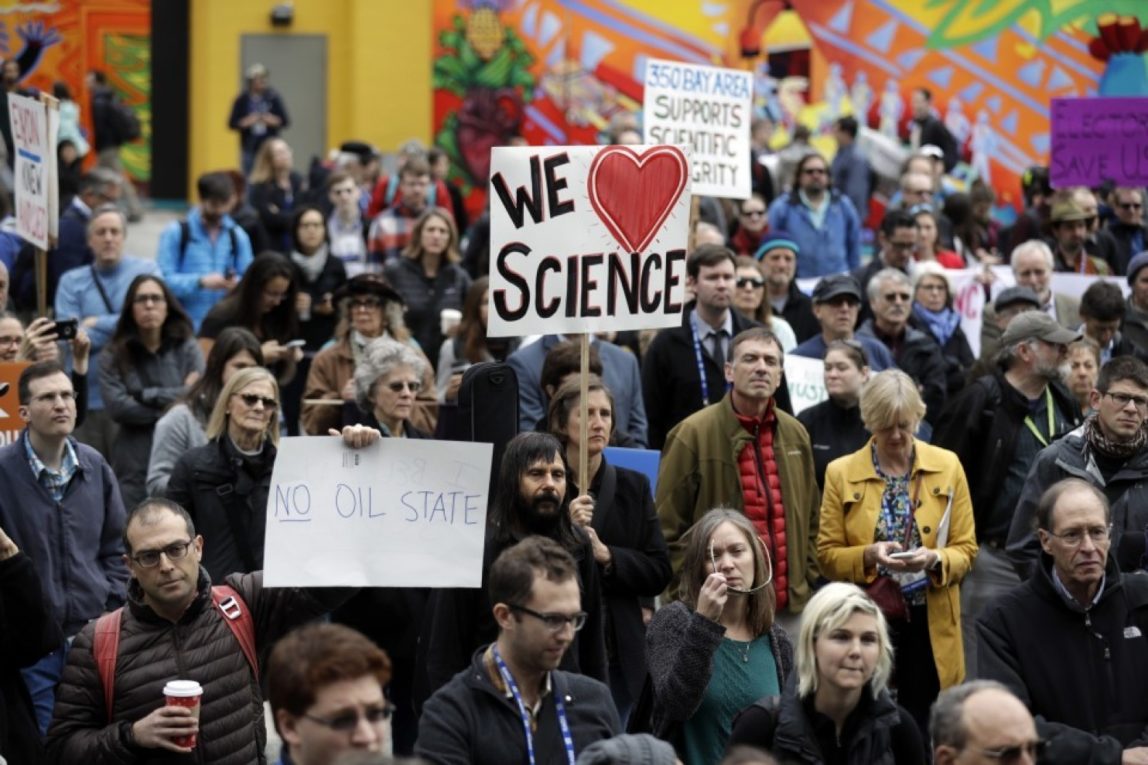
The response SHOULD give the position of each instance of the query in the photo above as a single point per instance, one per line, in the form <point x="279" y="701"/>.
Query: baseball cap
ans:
<point x="1014" y="295"/>
<point x="836" y="285"/>
<point x="932" y="150"/>
<point x="1037" y="325"/>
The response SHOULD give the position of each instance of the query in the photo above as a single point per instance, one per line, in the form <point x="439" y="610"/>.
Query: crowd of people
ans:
<point x="942" y="562"/>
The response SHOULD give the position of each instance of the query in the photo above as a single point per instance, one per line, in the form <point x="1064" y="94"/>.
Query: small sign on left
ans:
<point x="34" y="169"/>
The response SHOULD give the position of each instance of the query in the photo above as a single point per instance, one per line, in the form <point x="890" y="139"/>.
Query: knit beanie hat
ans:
<point x="773" y="240"/>
<point x="629" y="749"/>
<point x="1135" y="265"/>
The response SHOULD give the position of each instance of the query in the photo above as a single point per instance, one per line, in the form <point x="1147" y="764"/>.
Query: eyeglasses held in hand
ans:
<point x="554" y="622"/>
<point x="150" y="558"/>
<point x="751" y="590"/>
<point x="346" y="722"/>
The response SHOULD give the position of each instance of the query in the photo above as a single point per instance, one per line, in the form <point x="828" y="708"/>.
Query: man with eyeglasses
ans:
<point x="822" y="221"/>
<point x="915" y="352"/>
<point x="1072" y="641"/>
<point x="175" y="627"/>
<point x="897" y="240"/>
<point x="997" y="426"/>
<point x="982" y="722"/>
<point x="1110" y="450"/>
<point x="94" y="295"/>
<point x="325" y="685"/>
<point x="1127" y="227"/>
<point x="513" y="704"/>
<point x="60" y="503"/>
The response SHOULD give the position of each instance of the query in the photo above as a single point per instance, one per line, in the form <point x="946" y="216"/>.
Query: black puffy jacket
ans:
<point x="152" y="651"/>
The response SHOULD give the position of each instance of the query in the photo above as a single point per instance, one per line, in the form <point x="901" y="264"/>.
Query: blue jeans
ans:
<point x="41" y="679"/>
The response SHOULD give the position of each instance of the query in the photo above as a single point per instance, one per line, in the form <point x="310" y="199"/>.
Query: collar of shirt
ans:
<point x="499" y="685"/>
<point x="705" y="331"/>
<point x="46" y="476"/>
<point x="79" y="205"/>
<point x="816" y="212"/>
<point x="1064" y="593"/>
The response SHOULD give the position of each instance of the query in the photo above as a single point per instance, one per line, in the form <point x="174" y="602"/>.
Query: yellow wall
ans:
<point x="379" y="70"/>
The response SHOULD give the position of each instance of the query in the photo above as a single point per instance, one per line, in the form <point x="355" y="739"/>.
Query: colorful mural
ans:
<point x="558" y="71"/>
<point x="63" y="40"/>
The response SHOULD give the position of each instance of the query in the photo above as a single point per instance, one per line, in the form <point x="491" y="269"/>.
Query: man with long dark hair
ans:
<point x="529" y="499"/>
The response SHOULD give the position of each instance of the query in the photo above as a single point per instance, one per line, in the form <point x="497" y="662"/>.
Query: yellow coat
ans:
<point x="849" y="507"/>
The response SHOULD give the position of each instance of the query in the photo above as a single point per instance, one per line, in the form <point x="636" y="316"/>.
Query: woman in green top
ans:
<point x="716" y="650"/>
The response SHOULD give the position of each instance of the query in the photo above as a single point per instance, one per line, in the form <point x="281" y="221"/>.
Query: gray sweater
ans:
<point x="177" y="432"/>
<point x="681" y="644"/>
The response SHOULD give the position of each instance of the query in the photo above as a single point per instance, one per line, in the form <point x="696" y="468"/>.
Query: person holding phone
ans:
<point x="39" y="342"/>
<point x="897" y="519"/>
<point x="470" y="344"/>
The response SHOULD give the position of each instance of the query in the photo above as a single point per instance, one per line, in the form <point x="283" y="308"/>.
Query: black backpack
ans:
<point x="486" y="412"/>
<point x="125" y="122"/>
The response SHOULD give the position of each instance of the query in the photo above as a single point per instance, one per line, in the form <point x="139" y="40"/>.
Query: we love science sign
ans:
<point x="586" y="239"/>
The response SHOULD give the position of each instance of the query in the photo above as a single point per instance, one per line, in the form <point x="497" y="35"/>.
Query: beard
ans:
<point x="539" y="514"/>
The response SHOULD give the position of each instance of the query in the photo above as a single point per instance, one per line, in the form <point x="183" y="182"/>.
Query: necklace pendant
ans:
<point x="745" y="657"/>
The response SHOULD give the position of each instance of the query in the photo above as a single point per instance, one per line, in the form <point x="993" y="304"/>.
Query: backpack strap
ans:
<point x="184" y="238"/>
<point x="234" y="248"/>
<point x="237" y="617"/>
<point x="105" y="648"/>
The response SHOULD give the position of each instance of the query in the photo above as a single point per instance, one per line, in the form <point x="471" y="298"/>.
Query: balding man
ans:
<point x="1032" y="266"/>
<point x="1072" y="641"/>
<point x="94" y="294"/>
<point x="981" y="722"/>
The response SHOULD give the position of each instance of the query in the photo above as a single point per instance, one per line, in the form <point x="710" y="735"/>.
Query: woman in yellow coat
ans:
<point x="900" y="508"/>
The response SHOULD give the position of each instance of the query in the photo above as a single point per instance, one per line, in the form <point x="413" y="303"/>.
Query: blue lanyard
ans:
<point x="698" y="357"/>
<point x="559" y="708"/>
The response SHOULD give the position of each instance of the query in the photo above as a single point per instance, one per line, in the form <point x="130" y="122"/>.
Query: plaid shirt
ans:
<point x="390" y="233"/>
<point x="55" y="481"/>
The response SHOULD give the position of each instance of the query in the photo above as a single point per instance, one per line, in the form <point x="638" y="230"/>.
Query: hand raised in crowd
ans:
<point x="81" y="352"/>
<point x="39" y="343"/>
<point x="357" y="436"/>
<point x="582" y="510"/>
<point x="712" y="596"/>
<point x="157" y="730"/>
<point x="217" y="282"/>
<point x="8" y="548"/>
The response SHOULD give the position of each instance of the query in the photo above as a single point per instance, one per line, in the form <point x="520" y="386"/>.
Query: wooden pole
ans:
<point x="583" y="418"/>
<point x="41" y="283"/>
<point x="695" y="213"/>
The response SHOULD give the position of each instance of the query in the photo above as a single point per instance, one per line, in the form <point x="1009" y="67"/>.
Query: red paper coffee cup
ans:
<point x="184" y="693"/>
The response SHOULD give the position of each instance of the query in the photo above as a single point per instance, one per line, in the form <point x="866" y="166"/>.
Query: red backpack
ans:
<point x="106" y="641"/>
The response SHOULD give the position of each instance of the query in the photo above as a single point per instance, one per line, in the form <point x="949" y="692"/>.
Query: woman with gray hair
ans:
<point x="896" y="518"/>
<point x="933" y="313"/>
<point x="839" y="710"/>
<point x="387" y="379"/>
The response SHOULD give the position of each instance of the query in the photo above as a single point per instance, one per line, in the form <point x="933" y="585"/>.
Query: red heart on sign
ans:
<point x="633" y="193"/>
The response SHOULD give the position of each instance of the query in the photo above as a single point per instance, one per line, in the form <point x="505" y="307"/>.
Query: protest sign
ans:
<point x="1098" y="140"/>
<point x="805" y="379"/>
<point x="586" y="238"/>
<point x="31" y="168"/>
<point x="399" y="513"/>
<point x="709" y="110"/>
<point x="10" y="423"/>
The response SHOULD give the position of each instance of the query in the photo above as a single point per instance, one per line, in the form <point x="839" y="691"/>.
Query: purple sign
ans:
<point x="1099" y="139"/>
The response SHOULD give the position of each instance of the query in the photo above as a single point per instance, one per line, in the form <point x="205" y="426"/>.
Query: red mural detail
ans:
<point x="634" y="193"/>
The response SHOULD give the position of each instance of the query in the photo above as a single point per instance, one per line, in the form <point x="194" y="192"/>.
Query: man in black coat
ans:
<point x="778" y="257"/>
<point x="926" y="129"/>
<point x="1072" y="641"/>
<point x="27" y="632"/>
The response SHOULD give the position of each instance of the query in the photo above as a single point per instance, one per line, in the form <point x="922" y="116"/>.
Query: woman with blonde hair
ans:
<point x="839" y="709"/>
<point x="430" y="279"/>
<point x="897" y="519"/>
<point x="716" y="650"/>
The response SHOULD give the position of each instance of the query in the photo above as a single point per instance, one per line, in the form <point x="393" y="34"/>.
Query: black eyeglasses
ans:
<point x="251" y="399"/>
<point x="1123" y="399"/>
<point x="555" y="622"/>
<point x="1012" y="754"/>
<point x="150" y="558"/>
<point x="1100" y="535"/>
<point x="746" y="281"/>
<point x="1130" y="206"/>
<point x="398" y="385"/>
<point x="145" y="299"/>
<point x="346" y="722"/>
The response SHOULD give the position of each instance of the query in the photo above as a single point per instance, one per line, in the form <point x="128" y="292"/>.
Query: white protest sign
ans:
<point x="709" y="110"/>
<point x="53" y="106"/>
<point x="31" y="168"/>
<point x="805" y="379"/>
<point x="586" y="238"/>
<point x="399" y="513"/>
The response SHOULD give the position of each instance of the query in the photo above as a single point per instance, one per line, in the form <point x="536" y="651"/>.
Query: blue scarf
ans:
<point x="942" y="324"/>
